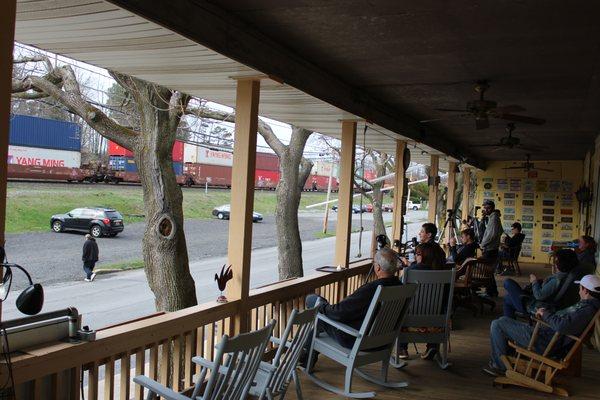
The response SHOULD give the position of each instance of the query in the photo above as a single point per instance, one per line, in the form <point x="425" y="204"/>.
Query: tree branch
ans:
<point x="273" y="141"/>
<point x="305" y="168"/>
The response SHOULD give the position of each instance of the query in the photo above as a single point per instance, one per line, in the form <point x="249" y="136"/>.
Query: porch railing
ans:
<point x="162" y="346"/>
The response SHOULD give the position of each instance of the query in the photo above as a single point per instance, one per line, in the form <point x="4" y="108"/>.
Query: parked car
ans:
<point x="355" y="209"/>
<point x="222" y="212"/>
<point x="388" y="207"/>
<point x="368" y="207"/>
<point x="412" y="206"/>
<point x="98" y="221"/>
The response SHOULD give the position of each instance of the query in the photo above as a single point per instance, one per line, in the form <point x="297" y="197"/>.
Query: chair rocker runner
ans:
<point x="272" y="379"/>
<point x="373" y="342"/>
<point x="538" y="371"/>
<point x="428" y="317"/>
<point x="231" y="373"/>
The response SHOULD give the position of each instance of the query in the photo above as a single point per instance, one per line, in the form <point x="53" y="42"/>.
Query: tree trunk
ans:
<point x="289" y="243"/>
<point x="378" y="223"/>
<point x="163" y="246"/>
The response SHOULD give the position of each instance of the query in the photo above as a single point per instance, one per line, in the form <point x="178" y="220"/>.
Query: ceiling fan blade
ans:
<point x="522" y="118"/>
<point x="449" y="110"/>
<point x="482" y="123"/>
<point x="497" y="149"/>
<point x="543" y="169"/>
<point x="511" y="108"/>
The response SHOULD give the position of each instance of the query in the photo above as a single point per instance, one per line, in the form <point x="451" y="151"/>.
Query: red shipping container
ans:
<point x="266" y="179"/>
<point x="321" y="183"/>
<point x="116" y="150"/>
<point x="267" y="162"/>
<point x="178" y="151"/>
<point x="214" y="175"/>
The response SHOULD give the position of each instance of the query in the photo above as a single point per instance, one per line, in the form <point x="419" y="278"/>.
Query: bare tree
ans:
<point x="160" y="110"/>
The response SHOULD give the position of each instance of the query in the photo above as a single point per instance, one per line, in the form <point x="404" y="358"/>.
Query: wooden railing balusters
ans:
<point x="140" y="365"/>
<point x="125" y="377"/>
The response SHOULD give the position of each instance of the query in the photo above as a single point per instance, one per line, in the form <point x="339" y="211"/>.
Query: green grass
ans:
<point x="122" y="266"/>
<point x="30" y="205"/>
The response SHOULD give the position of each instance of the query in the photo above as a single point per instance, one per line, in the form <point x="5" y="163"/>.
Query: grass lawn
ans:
<point x="30" y="205"/>
<point x="122" y="266"/>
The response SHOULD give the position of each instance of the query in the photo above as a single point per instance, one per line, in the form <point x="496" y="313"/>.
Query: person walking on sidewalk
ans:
<point x="89" y="257"/>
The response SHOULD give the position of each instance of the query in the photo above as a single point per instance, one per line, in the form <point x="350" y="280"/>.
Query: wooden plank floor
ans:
<point x="464" y="380"/>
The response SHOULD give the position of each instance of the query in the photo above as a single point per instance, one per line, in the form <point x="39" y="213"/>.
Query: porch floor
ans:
<point x="464" y="379"/>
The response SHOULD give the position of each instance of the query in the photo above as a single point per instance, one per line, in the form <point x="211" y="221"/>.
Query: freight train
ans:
<point x="50" y="150"/>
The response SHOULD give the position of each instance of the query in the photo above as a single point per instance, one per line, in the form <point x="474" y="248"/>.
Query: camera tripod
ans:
<point x="451" y="223"/>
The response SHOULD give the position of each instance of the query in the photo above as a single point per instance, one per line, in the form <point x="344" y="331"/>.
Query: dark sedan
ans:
<point x="98" y="221"/>
<point x="222" y="212"/>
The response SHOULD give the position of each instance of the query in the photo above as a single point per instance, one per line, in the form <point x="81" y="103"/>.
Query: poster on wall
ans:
<point x="554" y="186"/>
<point x="548" y="211"/>
<point x="548" y="203"/>
<point x="510" y="195"/>
<point x="488" y="195"/>
<point x="547" y="234"/>
<point x="527" y="210"/>
<point x="568" y="220"/>
<point x="549" y="196"/>
<point x="566" y="236"/>
<point x="547" y="218"/>
<point x="527" y="218"/>
<point x="502" y="185"/>
<point x="509" y="203"/>
<point x="528" y="202"/>
<point x="566" y="211"/>
<point x="515" y="185"/>
<point x="528" y="196"/>
<point x="529" y="185"/>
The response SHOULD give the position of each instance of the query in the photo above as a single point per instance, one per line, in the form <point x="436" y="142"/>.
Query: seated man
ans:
<point x="510" y="247"/>
<point x="586" y="251"/>
<point x="571" y="321"/>
<point x="541" y="293"/>
<point x="352" y="310"/>
<point x="468" y="249"/>
<point x="427" y="234"/>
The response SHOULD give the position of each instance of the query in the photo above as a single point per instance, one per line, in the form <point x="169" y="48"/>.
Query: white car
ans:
<point x="412" y="206"/>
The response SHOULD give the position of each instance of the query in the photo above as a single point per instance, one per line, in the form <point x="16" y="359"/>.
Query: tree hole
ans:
<point x="166" y="227"/>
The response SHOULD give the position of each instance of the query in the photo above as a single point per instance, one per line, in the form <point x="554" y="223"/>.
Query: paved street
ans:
<point x="122" y="296"/>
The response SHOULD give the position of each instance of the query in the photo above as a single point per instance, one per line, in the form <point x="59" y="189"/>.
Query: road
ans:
<point x="122" y="296"/>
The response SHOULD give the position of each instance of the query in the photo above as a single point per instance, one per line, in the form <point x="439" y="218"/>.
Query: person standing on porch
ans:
<point x="89" y="257"/>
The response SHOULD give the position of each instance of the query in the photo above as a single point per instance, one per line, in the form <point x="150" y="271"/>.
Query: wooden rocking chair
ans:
<point x="538" y="371"/>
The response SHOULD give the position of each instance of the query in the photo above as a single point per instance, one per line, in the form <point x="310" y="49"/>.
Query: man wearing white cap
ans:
<point x="569" y="321"/>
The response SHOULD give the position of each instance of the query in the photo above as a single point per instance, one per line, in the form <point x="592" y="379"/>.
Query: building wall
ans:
<point x="542" y="201"/>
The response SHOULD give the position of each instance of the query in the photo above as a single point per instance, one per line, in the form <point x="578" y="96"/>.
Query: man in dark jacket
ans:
<point x="468" y="249"/>
<point x="569" y="321"/>
<point x="353" y="309"/>
<point x="89" y="257"/>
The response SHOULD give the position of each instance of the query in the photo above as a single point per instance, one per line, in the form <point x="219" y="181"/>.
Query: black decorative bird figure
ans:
<point x="222" y="278"/>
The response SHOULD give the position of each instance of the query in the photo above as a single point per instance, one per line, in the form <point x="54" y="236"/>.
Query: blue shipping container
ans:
<point x="46" y="133"/>
<point x="117" y="163"/>
<point x="178" y="168"/>
<point x="130" y="164"/>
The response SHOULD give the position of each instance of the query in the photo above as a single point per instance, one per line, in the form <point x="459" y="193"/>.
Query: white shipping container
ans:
<point x="323" y="168"/>
<point x="214" y="157"/>
<point x="43" y="157"/>
<point x="190" y="153"/>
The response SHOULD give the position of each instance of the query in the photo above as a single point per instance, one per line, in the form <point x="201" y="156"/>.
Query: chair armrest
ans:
<point x="338" y="325"/>
<point x="160" y="390"/>
<point x="277" y="341"/>
<point x="535" y="356"/>
<point x="539" y="321"/>
<point x="204" y="363"/>
<point x="267" y="366"/>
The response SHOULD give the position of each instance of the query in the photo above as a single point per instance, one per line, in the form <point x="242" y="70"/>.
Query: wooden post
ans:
<point x="346" y="174"/>
<point x="450" y="197"/>
<point x="7" y="38"/>
<point x="399" y="189"/>
<point x="465" y="195"/>
<point x="433" y="188"/>
<point x="242" y="195"/>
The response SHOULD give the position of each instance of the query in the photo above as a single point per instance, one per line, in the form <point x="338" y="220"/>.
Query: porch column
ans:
<point x="399" y="192"/>
<point x="451" y="195"/>
<point x="465" y="194"/>
<point x="433" y="188"/>
<point x="345" y="192"/>
<point x="7" y="37"/>
<point x="242" y="195"/>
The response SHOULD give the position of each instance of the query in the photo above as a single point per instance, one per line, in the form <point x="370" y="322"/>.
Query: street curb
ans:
<point x="113" y="270"/>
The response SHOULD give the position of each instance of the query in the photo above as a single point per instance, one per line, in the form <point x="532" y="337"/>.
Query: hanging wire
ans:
<point x="364" y="155"/>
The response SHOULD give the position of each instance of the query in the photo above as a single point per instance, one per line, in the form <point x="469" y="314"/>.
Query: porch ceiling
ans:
<point x="102" y="34"/>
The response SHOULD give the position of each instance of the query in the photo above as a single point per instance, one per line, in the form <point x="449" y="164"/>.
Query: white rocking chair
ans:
<point x="373" y="342"/>
<point x="232" y="372"/>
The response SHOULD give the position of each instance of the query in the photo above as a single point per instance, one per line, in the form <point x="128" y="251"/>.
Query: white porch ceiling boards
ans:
<point x="104" y="35"/>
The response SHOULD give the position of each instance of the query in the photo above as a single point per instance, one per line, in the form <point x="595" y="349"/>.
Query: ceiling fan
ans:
<point x="510" y="142"/>
<point x="483" y="109"/>
<point x="529" y="166"/>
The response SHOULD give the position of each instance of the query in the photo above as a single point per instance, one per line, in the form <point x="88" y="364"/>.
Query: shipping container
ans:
<point x="116" y="150"/>
<point x="177" y="154"/>
<point x="45" y="133"/>
<point x="214" y="157"/>
<point x="320" y="183"/>
<point x="117" y="163"/>
<point x="266" y="179"/>
<point x="130" y="165"/>
<point x="323" y="168"/>
<point x="190" y="153"/>
<point x="43" y="157"/>
<point x="214" y="175"/>
<point x="17" y="171"/>
<point x="267" y="161"/>
<point x="178" y="168"/>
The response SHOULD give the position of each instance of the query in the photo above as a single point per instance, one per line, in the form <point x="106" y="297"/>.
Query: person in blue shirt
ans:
<point x="569" y="321"/>
<point x="542" y="292"/>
